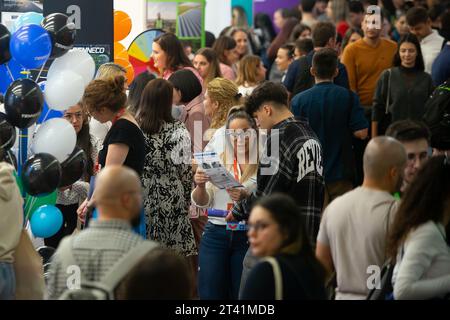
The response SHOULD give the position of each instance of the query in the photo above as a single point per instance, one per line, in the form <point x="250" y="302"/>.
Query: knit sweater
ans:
<point x="11" y="217"/>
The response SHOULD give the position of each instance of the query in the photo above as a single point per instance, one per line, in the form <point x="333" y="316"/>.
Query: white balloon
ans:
<point x="63" y="90"/>
<point x="77" y="61"/>
<point x="56" y="137"/>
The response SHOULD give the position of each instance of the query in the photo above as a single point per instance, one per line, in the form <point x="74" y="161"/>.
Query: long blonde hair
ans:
<point x="248" y="70"/>
<point x="226" y="94"/>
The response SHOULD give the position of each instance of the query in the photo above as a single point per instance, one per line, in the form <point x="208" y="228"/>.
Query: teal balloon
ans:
<point x="27" y="18"/>
<point x="46" y="221"/>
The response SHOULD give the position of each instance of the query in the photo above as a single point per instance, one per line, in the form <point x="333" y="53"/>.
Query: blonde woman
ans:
<point x="222" y="247"/>
<point x="220" y="96"/>
<point x="251" y="73"/>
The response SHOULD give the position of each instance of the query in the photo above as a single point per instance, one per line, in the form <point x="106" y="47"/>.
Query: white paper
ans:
<point x="218" y="174"/>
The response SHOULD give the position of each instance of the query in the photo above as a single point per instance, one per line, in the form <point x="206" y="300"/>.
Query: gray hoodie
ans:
<point x="11" y="213"/>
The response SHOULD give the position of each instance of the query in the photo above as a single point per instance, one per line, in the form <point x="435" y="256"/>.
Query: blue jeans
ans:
<point x="7" y="281"/>
<point x="220" y="260"/>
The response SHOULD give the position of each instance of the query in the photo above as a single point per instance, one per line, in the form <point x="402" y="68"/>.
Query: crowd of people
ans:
<point x="323" y="128"/>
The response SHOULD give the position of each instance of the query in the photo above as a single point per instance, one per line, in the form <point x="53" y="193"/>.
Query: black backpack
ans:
<point x="437" y="116"/>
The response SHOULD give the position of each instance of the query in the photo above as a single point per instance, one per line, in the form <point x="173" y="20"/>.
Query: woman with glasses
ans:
<point x="222" y="250"/>
<point x="418" y="241"/>
<point x="289" y="269"/>
<point x="70" y="197"/>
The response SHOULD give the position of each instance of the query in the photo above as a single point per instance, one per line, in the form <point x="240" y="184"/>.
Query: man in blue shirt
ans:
<point x="335" y="114"/>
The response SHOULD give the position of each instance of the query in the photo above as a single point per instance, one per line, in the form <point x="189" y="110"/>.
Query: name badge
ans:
<point x="236" y="226"/>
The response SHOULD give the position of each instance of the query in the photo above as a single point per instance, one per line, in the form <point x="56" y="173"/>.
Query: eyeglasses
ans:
<point x="240" y="133"/>
<point x="258" y="226"/>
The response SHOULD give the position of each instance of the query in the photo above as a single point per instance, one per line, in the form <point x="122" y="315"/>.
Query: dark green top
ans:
<point x="409" y="90"/>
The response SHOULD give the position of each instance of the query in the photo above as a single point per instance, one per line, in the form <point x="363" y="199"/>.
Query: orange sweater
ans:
<point x="364" y="65"/>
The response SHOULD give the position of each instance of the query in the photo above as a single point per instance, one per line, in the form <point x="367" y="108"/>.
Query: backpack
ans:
<point x="437" y="116"/>
<point x="104" y="288"/>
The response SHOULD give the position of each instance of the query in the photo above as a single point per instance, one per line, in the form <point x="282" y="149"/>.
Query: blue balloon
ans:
<point x="27" y="18"/>
<point x="31" y="46"/>
<point x="46" y="112"/>
<point x="46" y="221"/>
<point x="5" y="77"/>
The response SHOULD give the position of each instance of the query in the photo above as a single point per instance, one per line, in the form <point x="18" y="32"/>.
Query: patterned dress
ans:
<point x="167" y="182"/>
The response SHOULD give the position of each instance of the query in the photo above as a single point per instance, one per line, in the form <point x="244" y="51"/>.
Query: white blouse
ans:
<point x="423" y="264"/>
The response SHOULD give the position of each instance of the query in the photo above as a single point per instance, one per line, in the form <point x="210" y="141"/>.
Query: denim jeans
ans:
<point x="220" y="259"/>
<point x="7" y="281"/>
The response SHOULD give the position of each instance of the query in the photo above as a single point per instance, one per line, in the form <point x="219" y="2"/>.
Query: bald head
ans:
<point x="115" y="188"/>
<point x="381" y="155"/>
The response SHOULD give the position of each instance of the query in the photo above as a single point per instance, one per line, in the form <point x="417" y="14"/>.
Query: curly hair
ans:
<point x="226" y="94"/>
<point x="105" y="93"/>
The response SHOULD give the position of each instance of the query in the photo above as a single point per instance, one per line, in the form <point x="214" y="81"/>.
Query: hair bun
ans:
<point x="118" y="84"/>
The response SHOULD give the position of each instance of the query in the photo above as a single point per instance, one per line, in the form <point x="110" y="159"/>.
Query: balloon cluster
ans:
<point x="122" y="28"/>
<point x="55" y="162"/>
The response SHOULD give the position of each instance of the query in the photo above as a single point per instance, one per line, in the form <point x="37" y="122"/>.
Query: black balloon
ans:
<point x="7" y="133"/>
<point x="23" y="103"/>
<point x="61" y="31"/>
<point x="5" y="38"/>
<point x="10" y="158"/>
<point x="73" y="168"/>
<point x="41" y="174"/>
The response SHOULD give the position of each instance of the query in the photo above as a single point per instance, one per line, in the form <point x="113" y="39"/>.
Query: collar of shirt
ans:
<point x="433" y="36"/>
<point x="281" y="124"/>
<point x="117" y="224"/>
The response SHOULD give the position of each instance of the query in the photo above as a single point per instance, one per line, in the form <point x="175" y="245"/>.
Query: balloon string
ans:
<point x="9" y="71"/>
<point x="33" y="202"/>
<point x="40" y="72"/>
<point x="46" y="115"/>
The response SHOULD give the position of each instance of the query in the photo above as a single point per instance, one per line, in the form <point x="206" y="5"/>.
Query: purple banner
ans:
<point x="270" y="6"/>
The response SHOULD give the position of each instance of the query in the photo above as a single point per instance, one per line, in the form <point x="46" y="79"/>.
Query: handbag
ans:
<point x="385" y="122"/>
<point x="29" y="270"/>
<point x="384" y="290"/>
<point x="277" y="276"/>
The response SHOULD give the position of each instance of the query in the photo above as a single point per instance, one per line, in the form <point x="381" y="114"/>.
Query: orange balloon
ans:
<point x="122" y="25"/>
<point x="120" y="52"/>
<point x="128" y="67"/>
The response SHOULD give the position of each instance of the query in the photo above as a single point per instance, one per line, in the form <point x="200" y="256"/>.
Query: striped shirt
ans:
<point x="95" y="249"/>
<point x="295" y="168"/>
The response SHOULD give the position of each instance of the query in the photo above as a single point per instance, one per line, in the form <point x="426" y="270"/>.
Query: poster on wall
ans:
<point x="94" y="22"/>
<point x="11" y="10"/>
<point x="183" y="17"/>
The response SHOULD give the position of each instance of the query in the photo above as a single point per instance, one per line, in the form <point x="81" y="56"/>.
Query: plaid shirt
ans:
<point x="95" y="249"/>
<point x="298" y="172"/>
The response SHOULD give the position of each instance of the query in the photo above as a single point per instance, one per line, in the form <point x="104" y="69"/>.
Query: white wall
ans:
<point x="137" y="11"/>
<point x="217" y="15"/>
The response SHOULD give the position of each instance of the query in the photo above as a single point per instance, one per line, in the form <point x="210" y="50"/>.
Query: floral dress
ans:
<point x="167" y="181"/>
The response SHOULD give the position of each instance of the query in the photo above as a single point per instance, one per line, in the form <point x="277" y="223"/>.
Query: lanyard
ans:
<point x="118" y="115"/>
<point x="237" y="171"/>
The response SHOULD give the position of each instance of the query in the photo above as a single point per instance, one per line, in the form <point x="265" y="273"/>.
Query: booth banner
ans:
<point x="247" y="6"/>
<point x="11" y="10"/>
<point x="185" y="18"/>
<point x="94" y="21"/>
<point x="270" y="6"/>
